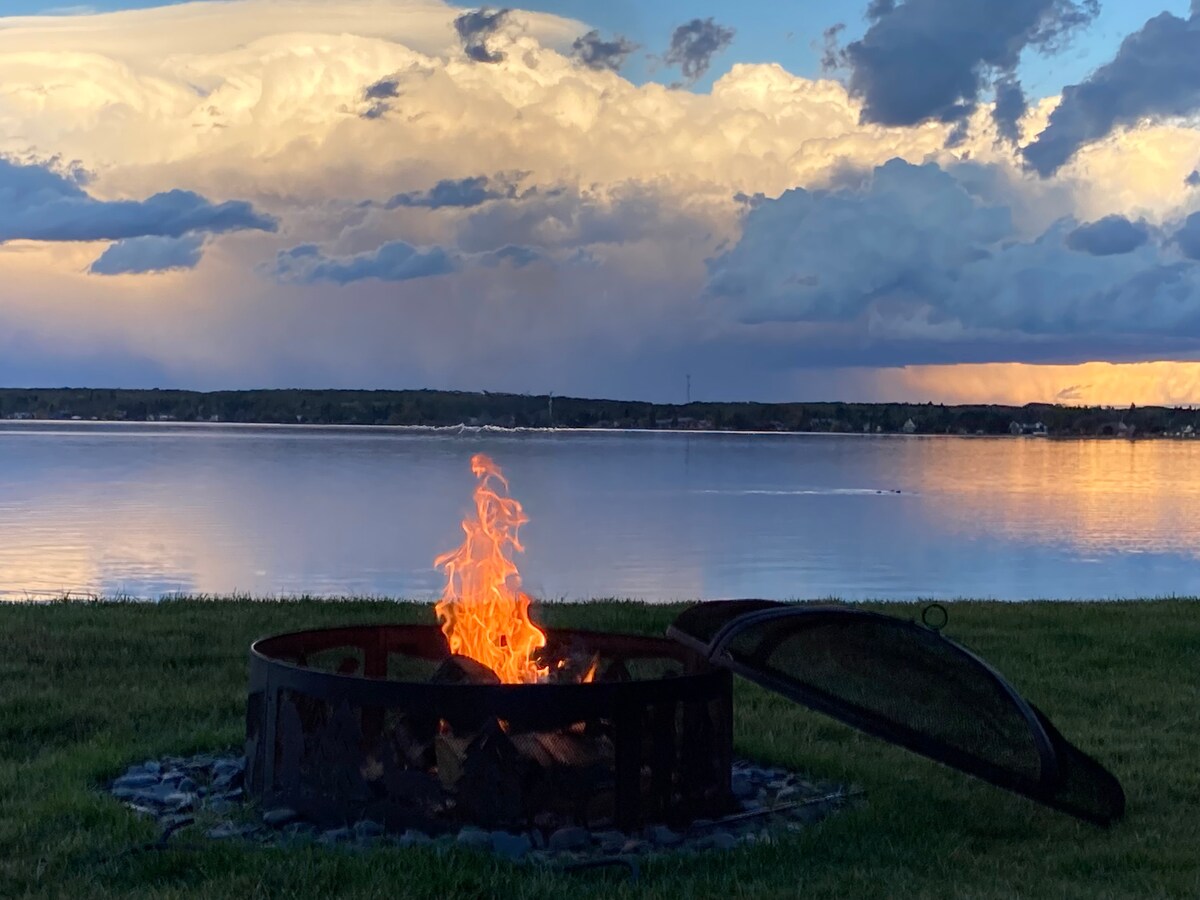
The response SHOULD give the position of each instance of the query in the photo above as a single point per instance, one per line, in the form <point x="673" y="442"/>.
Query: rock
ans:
<point x="572" y="837"/>
<point x="610" y="841"/>
<point x="227" y="781"/>
<point x="788" y="795"/>
<point x="230" y="830"/>
<point x="635" y="846"/>
<point x="179" y="800"/>
<point x="134" y="781"/>
<point x="720" y="840"/>
<point x="366" y="830"/>
<point x="414" y="838"/>
<point x="153" y="766"/>
<point x="663" y="836"/>
<point x="473" y="837"/>
<point x="158" y="795"/>
<point x="187" y="785"/>
<point x="280" y="816"/>
<point x="742" y="787"/>
<point x="299" y="831"/>
<point x="334" y="836"/>
<point x="511" y="846"/>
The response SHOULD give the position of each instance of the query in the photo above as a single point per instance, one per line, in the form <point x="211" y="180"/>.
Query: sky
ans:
<point x="943" y="200"/>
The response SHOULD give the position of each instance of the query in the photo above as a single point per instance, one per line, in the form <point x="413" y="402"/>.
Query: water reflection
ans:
<point x="147" y="510"/>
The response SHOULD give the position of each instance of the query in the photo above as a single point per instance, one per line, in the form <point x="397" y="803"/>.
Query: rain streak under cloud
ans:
<point x="412" y="194"/>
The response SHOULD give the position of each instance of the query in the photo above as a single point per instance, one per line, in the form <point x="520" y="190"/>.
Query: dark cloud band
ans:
<point x="40" y="204"/>
<point x="931" y="59"/>
<point x="1156" y="72"/>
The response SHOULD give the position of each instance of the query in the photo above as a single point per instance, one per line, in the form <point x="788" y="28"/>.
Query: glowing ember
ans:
<point x="484" y="613"/>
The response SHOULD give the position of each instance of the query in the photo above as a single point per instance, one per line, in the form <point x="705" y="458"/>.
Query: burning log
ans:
<point x="456" y="669"/>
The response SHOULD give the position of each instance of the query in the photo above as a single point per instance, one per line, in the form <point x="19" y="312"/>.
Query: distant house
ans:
<point x="1037" y="429"/>
<point x="909" y="427"/>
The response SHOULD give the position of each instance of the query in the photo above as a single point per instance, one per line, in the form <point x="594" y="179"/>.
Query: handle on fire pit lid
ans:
<point x="902" y="681"/>
<point x="935" y="617"/>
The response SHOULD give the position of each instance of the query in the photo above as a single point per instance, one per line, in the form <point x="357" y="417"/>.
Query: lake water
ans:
<point x="146" y="510"/>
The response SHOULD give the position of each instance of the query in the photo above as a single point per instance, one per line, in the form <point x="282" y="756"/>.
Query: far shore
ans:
<point x="518" y="412"/>
<point x="463" y="428"/>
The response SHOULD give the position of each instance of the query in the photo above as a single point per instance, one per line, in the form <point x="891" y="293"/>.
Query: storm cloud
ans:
<point x="694" y="44"/>
<point x="914" y="256"/>
<point x="1156" y="73"/>
<point x="931" y="59"/>
<point x="149" y="254"/>
<point x="476" y="28"/>
<point x="1188" y="237"/>
<point x="39" y="204"/>
<point x="1108" y="236"/>
<point x="596" y="53"/>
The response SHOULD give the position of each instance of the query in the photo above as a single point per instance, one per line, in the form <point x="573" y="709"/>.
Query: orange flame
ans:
<point x="484" y="613"/>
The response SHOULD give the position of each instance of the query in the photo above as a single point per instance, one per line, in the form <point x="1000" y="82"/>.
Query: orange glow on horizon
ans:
<point x="1160" y="383"/>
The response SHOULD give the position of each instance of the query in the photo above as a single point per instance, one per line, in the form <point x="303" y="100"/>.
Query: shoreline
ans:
<point x="462" y="428"/>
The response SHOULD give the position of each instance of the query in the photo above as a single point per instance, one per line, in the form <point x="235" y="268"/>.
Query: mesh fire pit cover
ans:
<point x="905" y="683"/>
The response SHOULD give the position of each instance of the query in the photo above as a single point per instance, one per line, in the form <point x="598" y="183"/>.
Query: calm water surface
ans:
<point x="147" y="510"/>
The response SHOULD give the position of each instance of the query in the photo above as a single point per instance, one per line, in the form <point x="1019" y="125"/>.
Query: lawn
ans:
<point x="86" y="689"/>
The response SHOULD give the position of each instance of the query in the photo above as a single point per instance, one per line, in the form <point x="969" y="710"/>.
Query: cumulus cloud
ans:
<point x="1155" y="73"/>
<point x="149" y="254"/>
<point x="913" y="255"/>
<point x="1108" y="236"/>
<point x="43" y="205"/>
<point x="1188" y="237"/>
<point x="476" y="28"/>
<point x="591" y="265"/>
<point x="564" y="218"/>
<point x="596" y="53"/>
<point x="930" y="59"/>
<point x="694" y="44"/>
<point x="461" y="193"/>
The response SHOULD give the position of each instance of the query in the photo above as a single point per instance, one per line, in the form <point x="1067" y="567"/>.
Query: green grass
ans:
<point x="86" y="690"/>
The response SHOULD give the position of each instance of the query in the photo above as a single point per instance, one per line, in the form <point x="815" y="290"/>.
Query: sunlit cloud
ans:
<point x="490" y="204"/>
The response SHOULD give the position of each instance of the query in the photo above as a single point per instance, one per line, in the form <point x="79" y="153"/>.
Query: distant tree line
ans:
<point x="448" y="408"/>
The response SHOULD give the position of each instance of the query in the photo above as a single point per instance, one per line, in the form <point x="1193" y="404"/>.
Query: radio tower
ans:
<point x="689" y="387"/>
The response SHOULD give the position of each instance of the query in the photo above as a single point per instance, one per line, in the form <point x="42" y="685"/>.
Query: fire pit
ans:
<point x="489" y="720"/>
<point x="383" y="723"/>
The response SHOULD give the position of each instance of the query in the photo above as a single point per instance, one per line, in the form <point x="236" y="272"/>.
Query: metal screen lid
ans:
<point x="907" y="684"/>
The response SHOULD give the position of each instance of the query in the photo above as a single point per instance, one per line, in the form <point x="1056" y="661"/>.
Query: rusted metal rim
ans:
<point x="274" y="658"/>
